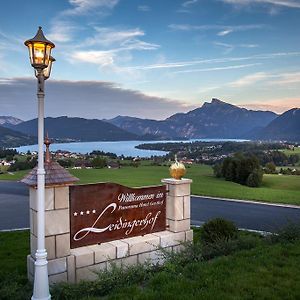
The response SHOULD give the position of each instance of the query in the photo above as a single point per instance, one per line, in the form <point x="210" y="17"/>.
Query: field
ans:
<point x="290" y="152"/>
<point x="275" y="189"/>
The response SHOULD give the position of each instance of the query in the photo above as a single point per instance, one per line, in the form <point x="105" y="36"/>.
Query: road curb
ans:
<point x="248" y="201"/>
<point x="14" y="229"/>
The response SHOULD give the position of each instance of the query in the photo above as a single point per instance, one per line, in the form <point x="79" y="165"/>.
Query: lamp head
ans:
<point x="39" y="50"/>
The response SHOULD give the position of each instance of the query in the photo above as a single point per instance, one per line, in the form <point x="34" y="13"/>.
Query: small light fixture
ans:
<point x="39" y="50"/>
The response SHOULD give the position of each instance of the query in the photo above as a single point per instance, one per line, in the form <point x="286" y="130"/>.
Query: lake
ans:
<point x="126" y="148"/>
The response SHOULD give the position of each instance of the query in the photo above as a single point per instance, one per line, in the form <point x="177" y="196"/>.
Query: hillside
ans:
<point x="286" y="127"/>
<point x="11" y="138"/>
<point x="77" y="129"/>
<point x="212" y="120"/>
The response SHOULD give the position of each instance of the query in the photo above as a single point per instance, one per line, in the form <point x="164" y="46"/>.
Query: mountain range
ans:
<point x="213" y="120"/>
<point x="216" y="119"/>
<point x="76" y="129"/>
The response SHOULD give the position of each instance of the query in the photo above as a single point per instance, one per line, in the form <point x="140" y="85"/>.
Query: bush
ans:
<point x="270" y="168"/>
<point x="98" y="162"/>
<point x="227" y="247"/>
<point x="217" y="230"/>
<point x="288" y="234"/>
<point x="255" y="179"/>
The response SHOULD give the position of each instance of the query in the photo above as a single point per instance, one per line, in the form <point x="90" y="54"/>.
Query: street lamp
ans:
<point x="41" y="60"/>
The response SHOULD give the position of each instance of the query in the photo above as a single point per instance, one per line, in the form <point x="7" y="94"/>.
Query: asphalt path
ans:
<point x="14" y="205"/>
<point x="253" y="216"/>
<point x="14" y="210"/>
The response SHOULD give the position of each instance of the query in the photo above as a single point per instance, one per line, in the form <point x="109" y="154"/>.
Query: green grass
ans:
<point x="290" y="152"/>
<point x="14" y="248"/>
<point x="267" y="271"/>
<point x="14" y="175"/>
<point x="275" y="189"/>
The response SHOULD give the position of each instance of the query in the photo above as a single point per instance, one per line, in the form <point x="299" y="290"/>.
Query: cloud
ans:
<point x="108" y="57"/>
<point x="249" y="79"/>
<point x="217" y="68"/>
<point x="144" y="8"/>
<point x="189" y="3"/>
<point x="82" y="7"/>
<point x="102" y="58"/>
<point x="61" y="31"/>
<point x="269" y="79"/>
<point x="116" y="45"/>
<point x="106" y="36"/>
<point x="287" y="78"/>
<point x="277" y="105"/>
<point x="231" y="47"/>
<point x="223" y="29"/>
<point x="182" y="64"/>
<point x="120" y="44"/>
<point x="283" y="3"/>
<point x="224" y="32"/>
<point x="87" y="99"/>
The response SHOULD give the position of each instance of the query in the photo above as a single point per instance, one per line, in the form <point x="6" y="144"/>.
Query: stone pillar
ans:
<point x="57" y="232"/>
<point x="178" y="206"/>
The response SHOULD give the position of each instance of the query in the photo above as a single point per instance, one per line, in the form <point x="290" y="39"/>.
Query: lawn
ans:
<point x="275" y="188"/>
<point x="290" y="152"/>
<point x="266" y="271"/>
<point x="261" y="273"/>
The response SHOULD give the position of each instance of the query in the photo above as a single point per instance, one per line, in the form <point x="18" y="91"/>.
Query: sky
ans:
<point x="151" y="58"/>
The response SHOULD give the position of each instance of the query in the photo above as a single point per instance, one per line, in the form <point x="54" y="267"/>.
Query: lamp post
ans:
<point x="41" y="60"/>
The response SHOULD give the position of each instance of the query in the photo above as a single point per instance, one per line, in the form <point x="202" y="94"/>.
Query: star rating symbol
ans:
<point x="82" y="213"/>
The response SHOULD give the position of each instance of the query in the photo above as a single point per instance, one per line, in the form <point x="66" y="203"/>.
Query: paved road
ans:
<point x="253" y="216"/>
<point x="14" y="205"/>
<point x="14" y="211"/>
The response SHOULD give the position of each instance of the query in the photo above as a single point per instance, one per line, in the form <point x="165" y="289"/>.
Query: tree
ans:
<point x="239" y="168"/>
<point x="98" y="162"/>
<point x="255" y="179"/>
<point x="270" y="168"/>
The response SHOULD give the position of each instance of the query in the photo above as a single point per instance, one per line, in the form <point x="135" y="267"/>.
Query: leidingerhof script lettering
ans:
<point x="104" y="212"/>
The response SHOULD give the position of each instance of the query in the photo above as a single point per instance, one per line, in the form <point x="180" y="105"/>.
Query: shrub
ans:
<point x="255" y="179"/>
<point x="270" y="168"/>
<point x="98" y="162"/>
<point x="289" y="233"/>
<point x="218" y="229"/>
<point x="227" y="247"/>
<point x="217" y="170"/>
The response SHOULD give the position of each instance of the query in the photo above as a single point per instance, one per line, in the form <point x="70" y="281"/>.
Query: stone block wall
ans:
<point x="74" y="265"/>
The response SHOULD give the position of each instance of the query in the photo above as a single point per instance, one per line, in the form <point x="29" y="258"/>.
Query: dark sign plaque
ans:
<point x="104" y="212"/>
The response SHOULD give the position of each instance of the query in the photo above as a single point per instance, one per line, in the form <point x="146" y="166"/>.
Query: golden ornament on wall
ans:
<point x="177" y="169"/>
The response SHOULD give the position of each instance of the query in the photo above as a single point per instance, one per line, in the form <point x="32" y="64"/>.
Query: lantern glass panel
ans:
<point x="47" y="70"/>
<point x="30" y="53"/>
<point x="39" y="53"/>
<point x="47" y="56"/>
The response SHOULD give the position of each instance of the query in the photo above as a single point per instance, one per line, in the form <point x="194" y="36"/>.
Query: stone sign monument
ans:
<point x="89" y="227"/>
